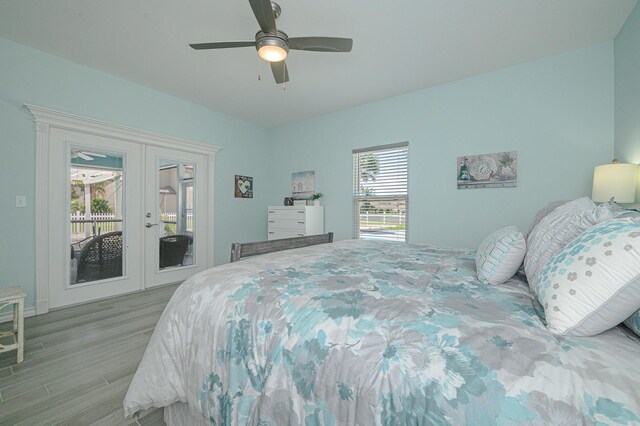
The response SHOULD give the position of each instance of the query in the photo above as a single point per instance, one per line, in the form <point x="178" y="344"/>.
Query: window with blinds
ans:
<point x="380" y="192"/>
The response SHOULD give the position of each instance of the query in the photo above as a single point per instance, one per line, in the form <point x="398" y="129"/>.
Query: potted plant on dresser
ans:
<point x="316" y="198"/>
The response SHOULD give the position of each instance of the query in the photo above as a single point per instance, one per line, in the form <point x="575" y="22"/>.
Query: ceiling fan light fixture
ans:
<point x="272" y="53"/>
<point x="273" y="45"/>
<point x="272" y="49"/>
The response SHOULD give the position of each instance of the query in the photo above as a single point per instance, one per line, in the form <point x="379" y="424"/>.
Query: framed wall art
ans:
<point x="303" y="185"/>
<point x="499" y="170"/>
<point x="243" y="186"/>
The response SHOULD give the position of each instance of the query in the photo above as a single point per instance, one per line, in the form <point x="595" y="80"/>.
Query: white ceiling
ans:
<point x="398" y="46"/>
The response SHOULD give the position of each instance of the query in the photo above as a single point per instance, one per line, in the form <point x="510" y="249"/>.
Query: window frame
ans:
<point x="357" y="198"/>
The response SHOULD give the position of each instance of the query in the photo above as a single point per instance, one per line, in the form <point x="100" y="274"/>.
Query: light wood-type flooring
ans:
<point x="79" y="361"/>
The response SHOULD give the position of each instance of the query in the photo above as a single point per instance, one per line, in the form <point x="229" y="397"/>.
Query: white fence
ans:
<point x="104" y="222"/>
<point x="382" y="218"/>
<point x="99" y="223"/>
<point x="172" y="217"/>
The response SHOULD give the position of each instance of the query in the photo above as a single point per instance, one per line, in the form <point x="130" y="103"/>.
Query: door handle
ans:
<point x="149" y="225"/>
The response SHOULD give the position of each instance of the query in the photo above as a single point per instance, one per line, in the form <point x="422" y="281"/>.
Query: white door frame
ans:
<point x="45" y="119"/>
<point x="153" y="275"/>
<point x="61" y="291"/>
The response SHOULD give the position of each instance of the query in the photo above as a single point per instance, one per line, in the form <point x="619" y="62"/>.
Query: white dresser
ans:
<point x="295" y="221"/>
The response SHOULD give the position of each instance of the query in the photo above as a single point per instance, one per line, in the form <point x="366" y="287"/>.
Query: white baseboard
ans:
<point x="28" y="312"/>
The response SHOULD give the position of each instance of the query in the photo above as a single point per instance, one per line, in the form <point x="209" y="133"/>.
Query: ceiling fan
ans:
<point x="86" y="155"/>
<point x="273" y="45"/>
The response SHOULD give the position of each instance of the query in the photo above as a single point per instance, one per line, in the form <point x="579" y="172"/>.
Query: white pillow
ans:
<point x="500" y="255"/>
<point x="541" y="214"/>
<point x="556" y="229"/>
<point x="593" y="283"/>
<point x="633" y="322"/>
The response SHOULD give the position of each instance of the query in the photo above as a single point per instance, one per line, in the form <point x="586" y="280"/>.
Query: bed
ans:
<point x="373" y="332"/>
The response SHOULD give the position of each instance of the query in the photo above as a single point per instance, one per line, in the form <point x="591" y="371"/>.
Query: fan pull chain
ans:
<point x="259" y="69"/>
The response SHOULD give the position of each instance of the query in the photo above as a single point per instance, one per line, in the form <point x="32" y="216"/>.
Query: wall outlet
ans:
<point x="21" y="201"/>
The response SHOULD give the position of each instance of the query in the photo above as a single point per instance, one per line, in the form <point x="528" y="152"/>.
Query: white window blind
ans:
<point x="380" y="192"/>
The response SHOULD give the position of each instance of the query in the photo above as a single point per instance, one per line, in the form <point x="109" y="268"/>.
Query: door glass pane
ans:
<point x="96" y="205"/>
<point x="176" y="219"/>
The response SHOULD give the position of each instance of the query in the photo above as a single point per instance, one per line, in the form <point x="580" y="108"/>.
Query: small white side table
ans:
<point x="14" y="296"/>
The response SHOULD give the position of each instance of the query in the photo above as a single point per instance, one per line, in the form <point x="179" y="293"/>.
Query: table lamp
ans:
<point x="616" y="181"/>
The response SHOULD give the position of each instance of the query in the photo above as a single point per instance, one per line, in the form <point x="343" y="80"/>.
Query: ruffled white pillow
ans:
<point x="556" y="229"/>
<point x="500" y="255"/>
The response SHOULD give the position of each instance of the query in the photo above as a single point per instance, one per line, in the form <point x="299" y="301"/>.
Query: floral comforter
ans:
<point x="370" y="332"/>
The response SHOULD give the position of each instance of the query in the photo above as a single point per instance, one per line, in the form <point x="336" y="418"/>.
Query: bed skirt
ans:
<point x="178" y="414"/>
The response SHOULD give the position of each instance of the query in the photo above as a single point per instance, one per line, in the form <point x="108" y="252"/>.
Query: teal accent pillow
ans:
<point x="593" y="283"/>
<point x="633" y="322"/>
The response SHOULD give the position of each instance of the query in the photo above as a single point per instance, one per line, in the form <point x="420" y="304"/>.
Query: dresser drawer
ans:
<point x="294" y="221"/>
<point x="297" y="214"/>
<point x="291" y="224"/>
<point x="276" y="234"/>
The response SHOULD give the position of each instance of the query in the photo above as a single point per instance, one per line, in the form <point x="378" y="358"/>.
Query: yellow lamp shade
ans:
<point x="617" y="181"/>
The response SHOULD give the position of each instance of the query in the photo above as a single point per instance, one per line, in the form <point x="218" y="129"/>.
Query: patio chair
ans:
<point x="172" y="250"/>
<point x="101" y="258"/>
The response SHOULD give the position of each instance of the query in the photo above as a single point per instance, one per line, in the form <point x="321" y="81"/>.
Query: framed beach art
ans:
<point x="499" y="170"/>
<point x="303" y="185"/>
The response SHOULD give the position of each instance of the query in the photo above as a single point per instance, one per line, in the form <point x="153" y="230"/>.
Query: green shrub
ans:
<point x="100" y="205"/>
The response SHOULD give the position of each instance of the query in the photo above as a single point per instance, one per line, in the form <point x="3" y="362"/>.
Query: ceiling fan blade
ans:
<point x="94" y="154"/>
<point x="264" y="15"/>
<point x="321" y="44"/>
<point x="84" y="156"/>
<point x="280" y="72"/>
<point x="222" y="45"/>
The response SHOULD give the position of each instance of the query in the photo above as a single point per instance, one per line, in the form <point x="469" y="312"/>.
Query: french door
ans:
<point x="123" y="216"/>
<point x="175" y="214"/>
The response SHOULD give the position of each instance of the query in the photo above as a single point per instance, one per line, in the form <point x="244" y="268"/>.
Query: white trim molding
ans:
<point x="45" y="119"/>
<point x="28" y="312"/>
<point x="42" y="224"/>
<point x="65" y="120"/>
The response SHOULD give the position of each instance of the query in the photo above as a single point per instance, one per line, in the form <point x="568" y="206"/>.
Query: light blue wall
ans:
<point x="627" y="92"/>
<point x="556" y="112"/>
<point x="30" y="76"/>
